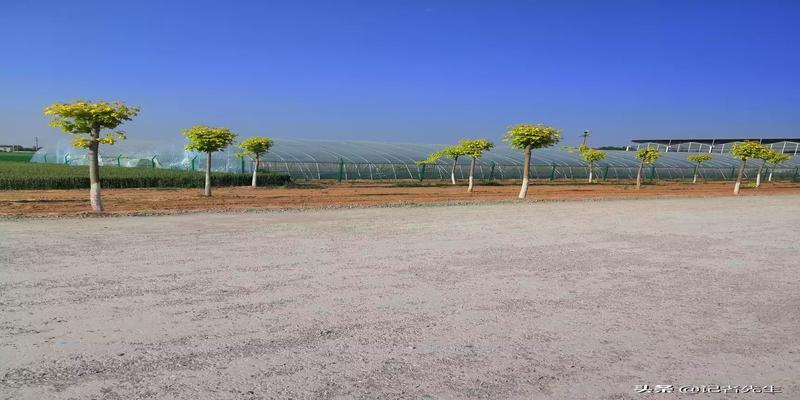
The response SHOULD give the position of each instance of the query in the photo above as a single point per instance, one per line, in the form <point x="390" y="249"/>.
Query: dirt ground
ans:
<point x="59" y="202"/>
<point x="522" y="300"/>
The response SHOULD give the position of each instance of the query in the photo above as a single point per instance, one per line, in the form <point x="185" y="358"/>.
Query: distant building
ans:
<point x="783" y="145"/>
<point x="7" y="148"/>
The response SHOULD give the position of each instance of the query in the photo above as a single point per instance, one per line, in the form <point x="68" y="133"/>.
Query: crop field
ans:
<point x="19" y="175"/>
<point x="559" y="300"/>
<point x="16" y="156"/>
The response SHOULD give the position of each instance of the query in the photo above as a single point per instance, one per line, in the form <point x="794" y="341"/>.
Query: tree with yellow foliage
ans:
<point x="86" y="120"/>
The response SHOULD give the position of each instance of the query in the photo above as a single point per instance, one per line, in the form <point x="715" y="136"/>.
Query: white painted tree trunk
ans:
<point x="758" y="175"/>
<point x="207" y="191"/>
<point x="694" y="180"/>
<point x="453" y="171"/>
<point x="639" y="176"/>
<point x="94" y="197"/>
<point x="769" y="179"/>
<point x="471" y="174"/>
<point x="94" y="173"/>
<point x="591" y="168"/>
<point x="739" y="177"/>
<point x="255" y="170"/>
<point x="523" y="191"/>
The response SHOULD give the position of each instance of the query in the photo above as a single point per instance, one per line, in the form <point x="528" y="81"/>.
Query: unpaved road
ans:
<point x="576" y="300"/>
<point x="323" y="194"/>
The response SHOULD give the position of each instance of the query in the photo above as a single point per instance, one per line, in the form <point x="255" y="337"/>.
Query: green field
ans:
<point x="20" y="174"/>
<point x="18" y="156"/>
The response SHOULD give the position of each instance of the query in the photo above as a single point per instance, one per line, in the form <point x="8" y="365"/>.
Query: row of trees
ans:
<point x="96" y="123"/>
<point x="743" y="151"/>
<point x="472" y="148"/>
<point x="529" y="137"/>
<point x="205" y="139"/>
<point x="87" y="121"/>
<point x="753" y="150"/>
<point x="524" y="137"/>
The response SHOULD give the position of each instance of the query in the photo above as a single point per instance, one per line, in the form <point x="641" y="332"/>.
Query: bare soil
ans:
<point x="122" y="201"/>
<point x="556" y="300"/>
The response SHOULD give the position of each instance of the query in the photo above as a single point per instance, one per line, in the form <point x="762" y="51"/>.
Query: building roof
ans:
<point x="716" y="140"/>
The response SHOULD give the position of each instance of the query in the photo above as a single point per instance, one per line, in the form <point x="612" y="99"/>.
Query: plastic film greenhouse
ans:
<point x="362" y="160"/>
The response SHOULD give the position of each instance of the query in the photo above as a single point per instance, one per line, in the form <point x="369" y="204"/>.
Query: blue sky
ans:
<point x="408" y="71"/>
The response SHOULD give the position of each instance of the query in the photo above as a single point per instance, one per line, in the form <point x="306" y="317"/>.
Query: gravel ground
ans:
<point x="576" y="300"/>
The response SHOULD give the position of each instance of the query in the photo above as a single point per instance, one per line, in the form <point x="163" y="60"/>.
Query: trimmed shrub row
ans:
<point x="20" y="176"/>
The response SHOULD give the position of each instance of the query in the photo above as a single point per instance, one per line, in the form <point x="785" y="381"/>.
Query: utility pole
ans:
<point x="585" y="136"/>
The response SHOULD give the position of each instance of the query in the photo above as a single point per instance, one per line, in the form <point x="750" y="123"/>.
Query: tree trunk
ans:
<point x="526" y="169"/>
<point x="207" y="191"/>
<point x="255" y="169"/>
<point x="739" y="177"/>
<point x="694" y="180"/>
<point x="94" y="173"/>
<point x="591" y="167"/>
<point x="758" y="175"/>
<point x="471" y="173"/>
<point x="639" y="175"/>
<point x="770" y="174"/>
<point x="453" y="171"/>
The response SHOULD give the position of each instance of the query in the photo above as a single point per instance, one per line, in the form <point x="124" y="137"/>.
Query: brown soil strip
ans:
<point x="126" y="201"/>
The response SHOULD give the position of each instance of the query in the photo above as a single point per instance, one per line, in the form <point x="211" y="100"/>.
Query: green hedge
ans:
<point x="18" y="176"/>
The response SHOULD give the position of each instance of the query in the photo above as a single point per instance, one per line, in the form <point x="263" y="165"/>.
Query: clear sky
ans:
<point x="408" y="71"/>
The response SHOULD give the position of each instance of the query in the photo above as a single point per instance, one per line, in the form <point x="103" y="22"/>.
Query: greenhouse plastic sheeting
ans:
<point x="317" y="159"/>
